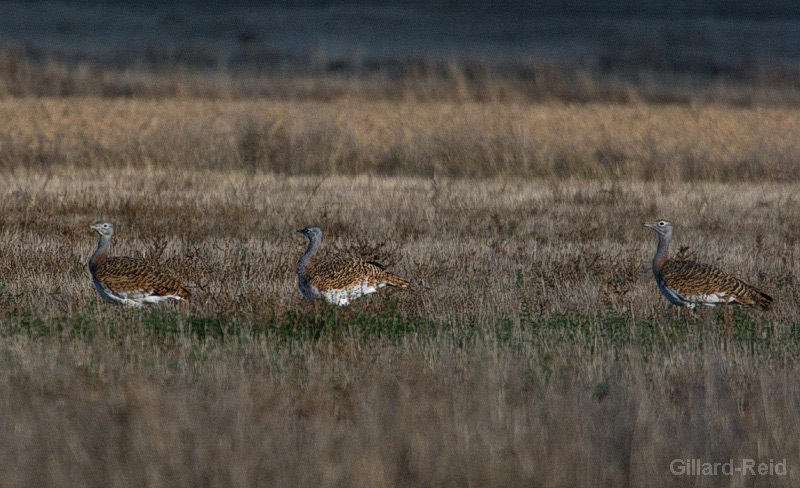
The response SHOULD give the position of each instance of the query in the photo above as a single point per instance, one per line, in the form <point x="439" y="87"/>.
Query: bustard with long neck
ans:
<point x="128" y="281"/>
<point x="689" y="283"/>
<point x="339" y="280"/>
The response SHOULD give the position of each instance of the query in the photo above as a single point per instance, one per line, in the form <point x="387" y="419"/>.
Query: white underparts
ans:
<point x="132" y="298"/>
<point x="709" y="300"/>
<point x="343" y="296"/>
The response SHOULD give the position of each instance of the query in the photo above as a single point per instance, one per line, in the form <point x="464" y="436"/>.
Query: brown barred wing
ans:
<point x="702" y="283"/>
<point x="388" y="277"/>
<point x="339" y="274"/>
<point x="135" y="277"/>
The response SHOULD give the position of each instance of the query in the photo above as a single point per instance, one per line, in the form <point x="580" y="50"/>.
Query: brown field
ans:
<point x="632" y="71"/>
<point x="550" y="141"/>
<point x="532" y="348"/>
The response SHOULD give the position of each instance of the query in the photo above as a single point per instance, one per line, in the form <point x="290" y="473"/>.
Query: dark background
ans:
<point x="639" y="44"/>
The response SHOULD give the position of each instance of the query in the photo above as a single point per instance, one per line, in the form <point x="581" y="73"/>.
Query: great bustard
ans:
<point x="128" y="281"/>
<point x="689" y="283"/>
<point x="339" y="280"/>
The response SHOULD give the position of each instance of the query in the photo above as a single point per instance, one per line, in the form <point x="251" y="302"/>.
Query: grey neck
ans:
<point x="662" y="252"/>
<point x="313" y="246"/>
<point x="102" y="247"/>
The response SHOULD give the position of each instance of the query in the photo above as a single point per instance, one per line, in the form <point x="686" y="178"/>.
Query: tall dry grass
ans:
<point x="532" y="348"/>
<point x="554" y="141"/>
<point x="489" y="243"/>
<point x="633" y="71"/>
<point x="345" y="411"/>
<point x="533" y="366"/>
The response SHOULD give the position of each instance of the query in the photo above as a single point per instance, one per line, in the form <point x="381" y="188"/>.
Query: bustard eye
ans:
<point x="662" y="224"/>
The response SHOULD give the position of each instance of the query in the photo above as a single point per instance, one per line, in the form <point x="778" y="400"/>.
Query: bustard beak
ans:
<point x="93" y="226"/>
<point x="300" y="231"/>
<point x="649" y="224"/>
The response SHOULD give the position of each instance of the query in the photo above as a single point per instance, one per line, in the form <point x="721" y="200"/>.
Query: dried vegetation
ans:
<point x="531" y="348"/>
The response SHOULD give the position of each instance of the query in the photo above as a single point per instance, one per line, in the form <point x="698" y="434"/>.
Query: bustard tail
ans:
<point x="762" y="299"/>
<point x="395" y="280"/>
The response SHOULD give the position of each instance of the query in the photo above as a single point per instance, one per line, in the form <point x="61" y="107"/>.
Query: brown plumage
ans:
<point x="129" y="281"/>
<point x="698" y="280"/>
<point x="339" y="273"/>
<point x="126" y="275"/>
<point x="689" y="283"/>
<point x="339" y="280"/>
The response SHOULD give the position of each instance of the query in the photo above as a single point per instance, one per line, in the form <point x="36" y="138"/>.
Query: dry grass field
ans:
<point x="532" y="348"/>
<point x="552" y="141"/>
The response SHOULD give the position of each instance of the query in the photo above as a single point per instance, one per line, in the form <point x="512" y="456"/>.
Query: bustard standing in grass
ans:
<point x="339" y="280"/>
<point x="689" y="283"/>
<point x="128" y="281"/>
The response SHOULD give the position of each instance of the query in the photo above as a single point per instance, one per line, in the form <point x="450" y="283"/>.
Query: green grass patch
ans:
<point x="753" y="333"/>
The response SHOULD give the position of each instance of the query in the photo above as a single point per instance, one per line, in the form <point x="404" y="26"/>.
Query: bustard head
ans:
<point x="103" y="227"/>
<point x="662" y="227"/>
<point x="311" y="232"/>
